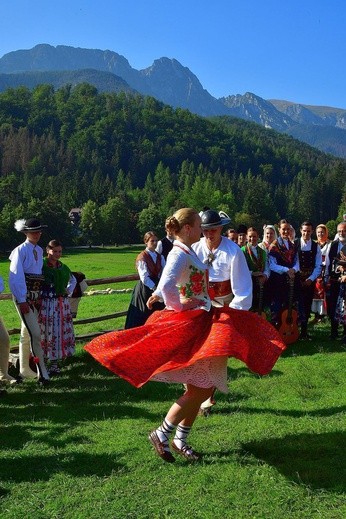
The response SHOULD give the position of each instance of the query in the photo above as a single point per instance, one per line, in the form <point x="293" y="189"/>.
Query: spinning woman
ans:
<point x="188" y="342"/>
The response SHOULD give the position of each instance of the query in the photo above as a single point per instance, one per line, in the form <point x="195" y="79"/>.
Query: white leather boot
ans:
<point x="4" y="356"/>
<point x="24" y="354"/>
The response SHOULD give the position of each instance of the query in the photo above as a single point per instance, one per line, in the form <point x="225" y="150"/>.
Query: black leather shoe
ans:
<point x="159" y="448"/>
<point x="54" y="372"/>
<point x="43" y="382"/>
<point x="187" y="452"/>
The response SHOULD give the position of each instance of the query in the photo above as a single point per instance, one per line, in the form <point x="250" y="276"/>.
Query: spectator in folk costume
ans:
<point x="269" y="235"/>
<point x="319" y="304"/>
<point x="188" y="342"/>
<point x="232" y="234"/>
<point x="25" y="281"/>
<point x="149" y="265"/>
<point x="242" y="230"/>
<point x="333" y="275"/>
<point x="5" y="378"/>
<point x="229" y="276"/>
<point x="257" y="262"/>
<point x="310" y="263"/>
<point x="55" y="317"/>
<point x="284" y="265"/>
<point x="340" y="313"/>
<point x="165" y="245"/>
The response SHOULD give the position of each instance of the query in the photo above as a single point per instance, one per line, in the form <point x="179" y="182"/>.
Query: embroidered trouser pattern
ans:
<point x="30" y="337"/>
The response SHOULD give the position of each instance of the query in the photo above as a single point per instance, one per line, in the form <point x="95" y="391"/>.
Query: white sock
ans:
<point x="164" y="432"/>
<point x="181" y="434"/>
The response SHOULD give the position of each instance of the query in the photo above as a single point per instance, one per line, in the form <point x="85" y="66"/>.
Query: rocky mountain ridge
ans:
<point x="172" y="83"/>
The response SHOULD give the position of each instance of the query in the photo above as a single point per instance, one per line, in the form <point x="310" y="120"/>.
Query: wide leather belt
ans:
<point x="305" y="273"/>
<point x="221" y="288"/>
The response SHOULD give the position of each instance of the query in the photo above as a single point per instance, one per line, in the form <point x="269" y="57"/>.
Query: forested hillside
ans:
<point x="129" y="161"/>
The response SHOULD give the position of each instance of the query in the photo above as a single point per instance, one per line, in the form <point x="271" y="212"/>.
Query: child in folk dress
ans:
<point x="57" y="334"/>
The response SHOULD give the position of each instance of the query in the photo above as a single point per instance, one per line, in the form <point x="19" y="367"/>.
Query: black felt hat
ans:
<point x="29" y="225"/>
<point x="211" y="219"/>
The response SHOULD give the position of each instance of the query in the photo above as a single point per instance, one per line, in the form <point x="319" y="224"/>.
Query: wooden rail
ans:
<point x="90" y="282"/>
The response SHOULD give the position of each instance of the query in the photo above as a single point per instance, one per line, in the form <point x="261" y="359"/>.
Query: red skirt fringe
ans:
<point x="171" y="340"/>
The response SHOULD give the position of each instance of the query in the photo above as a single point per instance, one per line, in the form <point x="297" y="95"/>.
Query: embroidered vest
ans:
<point x="154" y="268"/>
<point x="195" y="280"/>
<point x="284" y="257"/>
<point x="255" y="264"/>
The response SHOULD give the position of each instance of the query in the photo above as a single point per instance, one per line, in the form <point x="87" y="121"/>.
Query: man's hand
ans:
<point x="308" y="282"/>
<point x="291" y="273"/>
<point x="24" y="308"/>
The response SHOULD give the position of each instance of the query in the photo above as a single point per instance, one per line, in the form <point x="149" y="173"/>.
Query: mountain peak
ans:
<point x="166" y="79"/>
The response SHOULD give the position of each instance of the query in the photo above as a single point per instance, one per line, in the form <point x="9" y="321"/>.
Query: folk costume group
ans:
<point x="188" y="312"/>
<point x="40" y="288"/>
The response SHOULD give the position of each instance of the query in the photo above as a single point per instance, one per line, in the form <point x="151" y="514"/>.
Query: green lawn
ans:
<point x="274" y="447"/>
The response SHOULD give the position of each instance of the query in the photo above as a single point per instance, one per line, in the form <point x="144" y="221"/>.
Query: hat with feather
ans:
<point x="29" y="225"/>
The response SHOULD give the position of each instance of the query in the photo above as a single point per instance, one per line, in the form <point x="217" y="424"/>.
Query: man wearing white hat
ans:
<point x="25" y="281"/>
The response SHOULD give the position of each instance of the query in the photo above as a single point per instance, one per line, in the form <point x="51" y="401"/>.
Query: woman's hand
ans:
<point x="152" y="299"/>
<point x="191" y="303"/>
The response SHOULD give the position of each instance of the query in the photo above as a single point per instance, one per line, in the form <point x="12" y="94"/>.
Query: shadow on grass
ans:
<point x="320" y="343"/>
<point x="42" y="468"/>
<point x="232" y="408"/>
<point x="243" y="372"/>
<point x="16" y="437"/>
<point x="85" y="391"/>
<point x="314" y="460"/>
<point x="4" y="492"/>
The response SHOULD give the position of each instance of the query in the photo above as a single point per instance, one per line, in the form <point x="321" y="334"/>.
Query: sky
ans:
<point x="292" y="50"/>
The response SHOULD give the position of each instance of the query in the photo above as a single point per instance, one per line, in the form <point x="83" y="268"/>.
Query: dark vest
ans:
<point x="307" y="259"/>
<point x="167" y="246"/>
<point x="333" y="253"/>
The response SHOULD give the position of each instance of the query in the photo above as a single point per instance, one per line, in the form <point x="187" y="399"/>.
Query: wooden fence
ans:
<point x="90" y="282"/>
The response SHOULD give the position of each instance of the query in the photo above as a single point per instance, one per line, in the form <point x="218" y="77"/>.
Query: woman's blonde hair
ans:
<point x="184" y="216"/>
<point x="322" y="226"/>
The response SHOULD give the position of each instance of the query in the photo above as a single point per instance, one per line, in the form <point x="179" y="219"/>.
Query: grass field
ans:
<point x="274" y="447"/>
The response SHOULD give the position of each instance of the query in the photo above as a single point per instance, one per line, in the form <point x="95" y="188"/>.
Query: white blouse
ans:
<point x="184" y="276"/>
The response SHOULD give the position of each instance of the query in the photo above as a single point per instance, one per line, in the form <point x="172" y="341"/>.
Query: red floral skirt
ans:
<point x="172" y="340"/>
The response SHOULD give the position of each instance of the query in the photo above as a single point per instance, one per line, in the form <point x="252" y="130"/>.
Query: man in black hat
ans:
<point x="25" y="281"/>
<point x="229" y="276"/>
